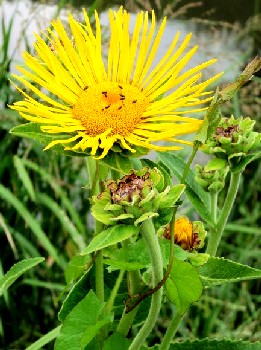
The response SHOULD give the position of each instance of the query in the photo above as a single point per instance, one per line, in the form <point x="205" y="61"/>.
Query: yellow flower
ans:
<point x="94" y="104"/>
<point x="187" y="235"/>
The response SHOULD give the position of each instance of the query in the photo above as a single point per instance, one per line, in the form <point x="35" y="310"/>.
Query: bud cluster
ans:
<point x="233" y="139"/>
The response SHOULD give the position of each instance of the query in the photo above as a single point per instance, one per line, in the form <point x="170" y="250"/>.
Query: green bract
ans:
<point x="135" y="198"/>
<point x="233" y="139"/>
<point x="212" y="176"/>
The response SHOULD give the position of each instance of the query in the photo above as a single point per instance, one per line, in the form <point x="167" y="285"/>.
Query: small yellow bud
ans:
<point x="184" y="235"/>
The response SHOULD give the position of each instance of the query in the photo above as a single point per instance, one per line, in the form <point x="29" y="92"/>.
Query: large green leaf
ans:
<point x="183" y="285"/>
<point x="135" y="256"/>
<point x="195" y="193"/>
<point x="219" y="270"/>
<point x="213" y="344"/>
<point x="77" y="293"/>
<point x="111" y="236"/>
<point x="16" y="271"/>
<point x="81" y="325"/>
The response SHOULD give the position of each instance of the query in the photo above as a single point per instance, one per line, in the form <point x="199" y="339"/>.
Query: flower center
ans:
<point x="110" y="106"/>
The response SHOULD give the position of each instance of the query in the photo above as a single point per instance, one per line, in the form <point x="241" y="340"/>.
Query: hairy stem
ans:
<point x="216" y="234"/>
<point x="171" y="331"/>
<point x="149" y="235"/>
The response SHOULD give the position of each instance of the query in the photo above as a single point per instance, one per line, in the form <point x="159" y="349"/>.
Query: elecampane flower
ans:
<point x="124" y="101"/>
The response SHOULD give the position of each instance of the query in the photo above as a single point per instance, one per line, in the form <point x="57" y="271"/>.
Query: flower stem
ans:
<point x="213" y="205"/>
<point x="135" y="284"/>
<point x="216" y="234"/>
<point x="149" y="235"/>
<point x="171" y="331"/>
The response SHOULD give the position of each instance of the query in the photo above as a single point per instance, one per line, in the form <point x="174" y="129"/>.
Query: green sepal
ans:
<point x="144" y="217"/>
<point x="171" y="198"/>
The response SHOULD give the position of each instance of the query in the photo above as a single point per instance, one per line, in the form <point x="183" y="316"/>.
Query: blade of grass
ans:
<point x="63" y="218"/>
<point x="59" y="191"/>
<point x="8" y="196"/>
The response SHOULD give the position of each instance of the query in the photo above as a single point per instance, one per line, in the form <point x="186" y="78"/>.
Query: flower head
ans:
<point x="188" y="235"/>
<point x="136" y="197"/>
<point x="96" y="104"/>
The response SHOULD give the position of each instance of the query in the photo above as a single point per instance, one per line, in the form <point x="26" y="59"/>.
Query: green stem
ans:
<point x="213" y="206"/>
<point x="109" y="305"/>
<point x="135" y="285"/>
<point x="93" y="175"/>
<point x="150" y="237"/>
<point x="171" y="331"/>
<point x="216" y="235"/>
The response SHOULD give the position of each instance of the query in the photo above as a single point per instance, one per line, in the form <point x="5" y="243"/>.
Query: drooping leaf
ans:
<point x="219" y="271"/>
<point x="183" y="285"/>
<point x="16" y="271"/>
<point x="214" y="344"/>
<point x="111" y="236"/>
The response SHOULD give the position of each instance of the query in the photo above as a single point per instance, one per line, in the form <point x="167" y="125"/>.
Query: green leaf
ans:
<point x="219" y="271"/>
<point x="183" y="286"/>
<point x="76" y="294"/>
<point x="47" y="338"/>
<point x="172" y="197"/>
<point x="211" y="120"/>
<point x="33" y="131"/>
<point x="16" y="271"/>
<point x="117" y="162"/>
<point x="245" y="161"/>
<point x="195" y="193"/>
<point x="76" y="267"/>
<point x="116" y="342"/>
<point x="213" y="344"/>
<point x="112" y="235"/>
<point x="135" y="256"/>
<point x="79" y="322"/>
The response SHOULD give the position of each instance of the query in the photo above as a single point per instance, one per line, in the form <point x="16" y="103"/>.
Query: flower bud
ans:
<point x="233" y="139"/>
<point x="135" y="198"/>
<point x="212" y="176"/>
<point x="188" y="235"/>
